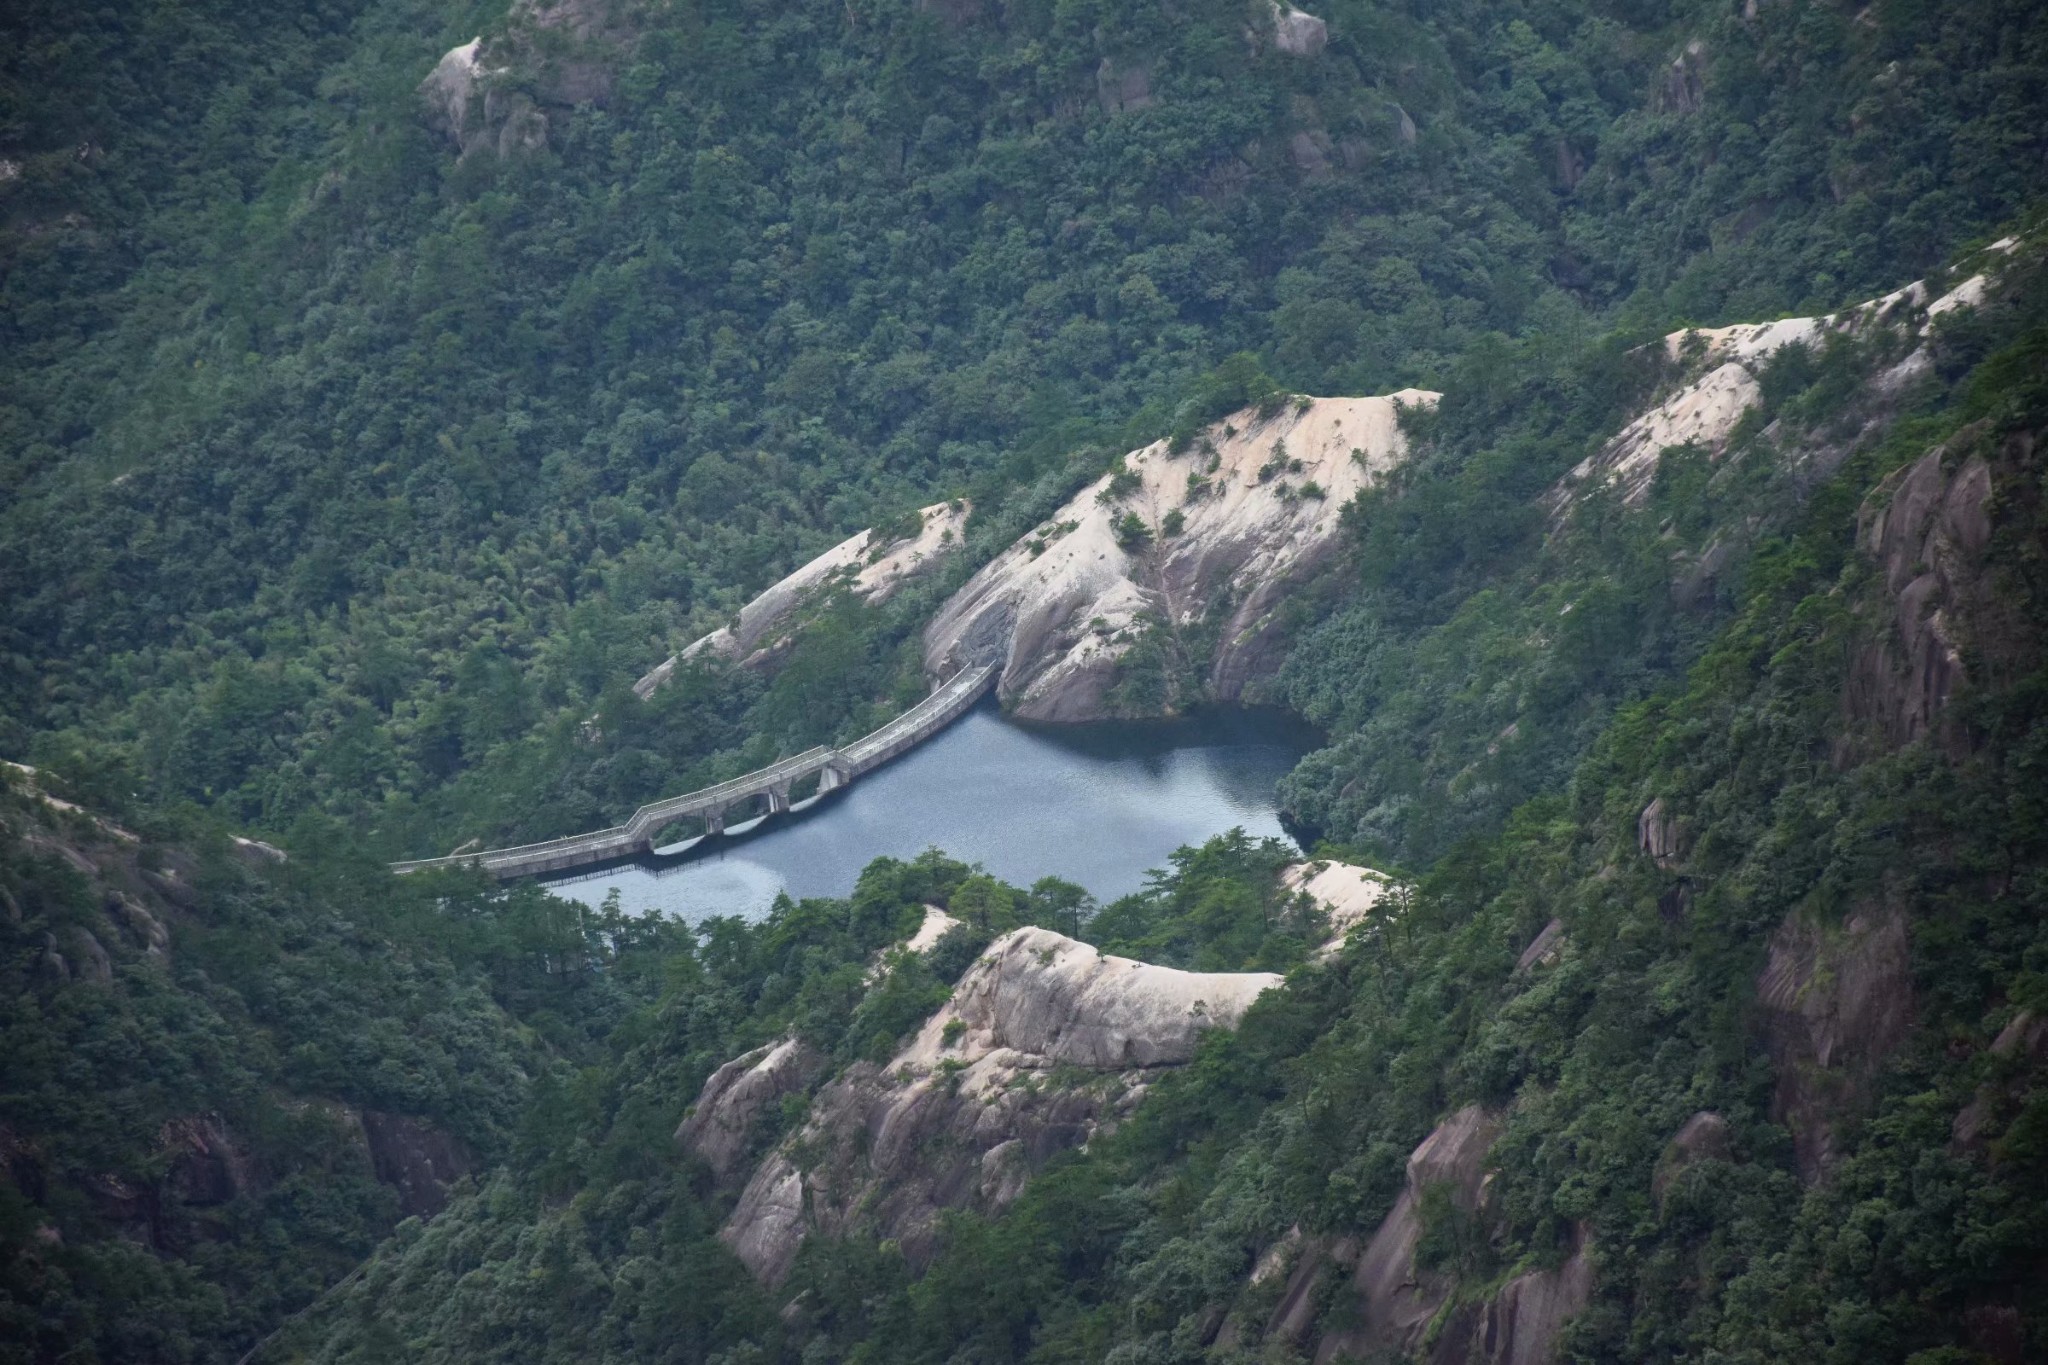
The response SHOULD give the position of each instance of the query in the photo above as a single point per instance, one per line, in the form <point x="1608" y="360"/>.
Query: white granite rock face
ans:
<point x="1058" y="1000"/>
<point x="450" y="89"/>
<point x="1044" y="1042"/>
<point x="1704" y="411"/>
<point x="1297" y="33"/>
<point x="721" y="1125"/>
<point x="1259" y="501"/>
<point x="565" y="52"/>
<point x="1345" y="892"/>
<point x="872" y="573"/>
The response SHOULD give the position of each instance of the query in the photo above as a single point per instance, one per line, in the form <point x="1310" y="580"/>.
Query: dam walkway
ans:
<point x="834" y="768"/>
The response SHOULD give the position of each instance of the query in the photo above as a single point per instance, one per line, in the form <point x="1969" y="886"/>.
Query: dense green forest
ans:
<point x="349" y="475"/>
<point x="361" y="444"/>
<point x="1304" y="1116"/>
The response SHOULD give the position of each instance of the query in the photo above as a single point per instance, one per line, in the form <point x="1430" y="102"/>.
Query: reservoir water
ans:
<point x="1098" y="804"/>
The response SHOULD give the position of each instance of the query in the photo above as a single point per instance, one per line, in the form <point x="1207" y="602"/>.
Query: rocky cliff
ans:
<point x="97" y="941"/>
<point x="1044" y="1041"/>
<point x="1193" y="549"/>
<point x="1397" y="1305"/>
<point x="1925" y="531"/>
<point x="1719" y="369"/>
<point x="497" y="93"/>
<point x="871" y="565"/>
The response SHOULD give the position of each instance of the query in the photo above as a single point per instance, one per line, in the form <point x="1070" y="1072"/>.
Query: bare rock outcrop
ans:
<point x="872" y="572"/>
<point x="982" y="1096"/>
<point x="496" y="93"/>
<point x="1520" y="1324"/>
<point x="1346" y="893"/>
<point x="1122" y="89"/>
<point x="1296" y="32"/>
<point x="416" y="1158"/>
<point x="935" y="926"/>
<point x="724" y="1123"/>
<point x="1703" y="1137"/>
<point x="1205" y="541"/>
<point x="2020" y="1046"/>
<point x="1544" y="949"/>
<point x="207" y="1165"/>
<point x="1684" y="90"/>
<point x="1835" y="1002"/>
<point x="1659" y="833"/>
<point x="1927" y="529"/>
<point x="1396" y="1299"/>
<point x="451" y="87"/>
<point x="1399" y="1306"/>
<point x="1721" y="365"/>
<point x="1044" y="995"/>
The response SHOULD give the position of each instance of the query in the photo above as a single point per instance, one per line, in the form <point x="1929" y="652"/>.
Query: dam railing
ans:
<point x="834" y="768"/>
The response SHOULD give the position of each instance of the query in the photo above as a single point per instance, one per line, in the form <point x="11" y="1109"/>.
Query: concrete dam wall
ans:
<point x="834" y="768"/>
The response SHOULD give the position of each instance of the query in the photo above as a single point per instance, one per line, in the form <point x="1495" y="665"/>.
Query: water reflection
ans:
<point x="1098" y="805"/>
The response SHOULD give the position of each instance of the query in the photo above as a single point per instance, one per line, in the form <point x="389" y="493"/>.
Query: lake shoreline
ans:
<point x="1100" y="804"/>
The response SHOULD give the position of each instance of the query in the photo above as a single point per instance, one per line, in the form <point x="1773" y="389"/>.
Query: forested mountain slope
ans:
<point x="227" y="1074"/>
<point x="1731" y="1050"/>
<point x="347" y="470"/>
<point x="384" y="387"/>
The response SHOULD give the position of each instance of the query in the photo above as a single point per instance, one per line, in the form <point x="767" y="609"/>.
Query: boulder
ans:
<point x="51" y="964"/>
<point x="493" y="94"/>
<point x="451" y="89"/>
<point x="88" y="959"/>
<point x="1659" y="834"/>
<point x="1309" y="150"/>
<point x="147" y="929"/>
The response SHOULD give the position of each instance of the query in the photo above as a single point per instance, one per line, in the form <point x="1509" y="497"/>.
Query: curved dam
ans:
<point x="834" y="768"/>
